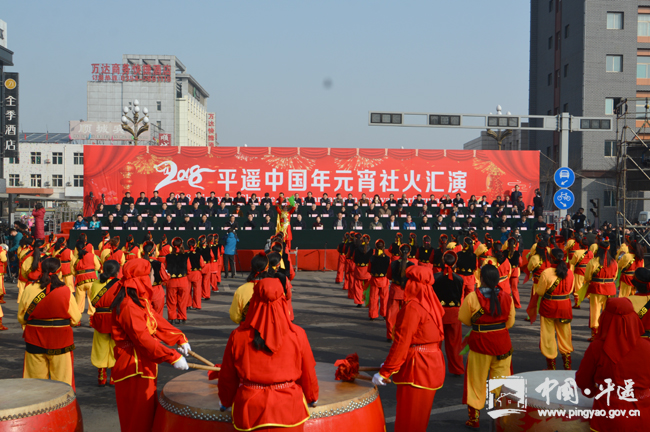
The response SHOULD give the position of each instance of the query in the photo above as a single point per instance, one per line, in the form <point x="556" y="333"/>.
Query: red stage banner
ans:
<point x="114" y="170"/>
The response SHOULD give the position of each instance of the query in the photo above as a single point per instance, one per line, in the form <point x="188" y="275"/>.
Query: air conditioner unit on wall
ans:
<point x="68" y="183"/>
<point x="47" y="184"/>
<point x="47" y="161"/>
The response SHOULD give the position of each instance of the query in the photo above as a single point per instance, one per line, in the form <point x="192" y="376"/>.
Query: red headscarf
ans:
<point x="449" y="270"/>
<point x="267" y="313"/>
<point x="418" y="289"/>
<point x="620" y="328"/>
<point x="136" y="275"/>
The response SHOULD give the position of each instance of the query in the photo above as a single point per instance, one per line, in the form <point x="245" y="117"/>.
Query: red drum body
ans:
<point x="34" y="405"/>
<point x="191" y="403"/>
<point x="529" y="418"/>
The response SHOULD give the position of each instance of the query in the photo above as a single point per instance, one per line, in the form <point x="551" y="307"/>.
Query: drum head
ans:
<point x="193" y="395"/>
<point x="537" y="400"/>
<point x="21" y="397"/>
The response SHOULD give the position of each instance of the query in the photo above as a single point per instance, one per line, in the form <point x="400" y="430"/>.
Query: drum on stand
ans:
<point x="191" y="403"/>
<point x="35" y="405"/>
<point x="530" y="419"/>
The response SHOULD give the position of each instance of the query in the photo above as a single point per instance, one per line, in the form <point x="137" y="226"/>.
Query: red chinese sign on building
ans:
<point x="212" y="130"/>
<point x="165" y="139"/>
<point x="116" y="72"/>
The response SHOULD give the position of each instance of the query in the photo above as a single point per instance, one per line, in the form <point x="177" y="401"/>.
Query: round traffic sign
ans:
<point x="564" y="177"/>
<point x="564" y="199"/>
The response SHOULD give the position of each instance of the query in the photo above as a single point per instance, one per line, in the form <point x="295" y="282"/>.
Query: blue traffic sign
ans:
<point x="564" y="199"/>
<point x="564" y="177"/>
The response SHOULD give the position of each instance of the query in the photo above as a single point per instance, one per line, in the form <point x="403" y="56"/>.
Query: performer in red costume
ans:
<point x="378" y="269"/>
<point x="600" y="277"/>
<point x="164" y="249"/>
<point x="178" y="290"/>
<point x="206" y="269"/>
<point x="514" y="257"/>
<point x="217" y="264"/>
<point x="160" y="276"/>
<point x="466" y="266"/>
<point x="138" y="332"/>
<point x="194" y="276"/>
<point x="613" y="360"/>
<point x="415" y="360"/>
<point x="340" y="267"/>
<point x="268" y="371"/>
<point x="361" y="257"/>
<point x="448" y="287"/>
<point x="436" y="255"/>
<point x="555" y="287"/>
<point x="490" y="312"/>
<point x="423" y="254"/>
<point x="397" y="276"/>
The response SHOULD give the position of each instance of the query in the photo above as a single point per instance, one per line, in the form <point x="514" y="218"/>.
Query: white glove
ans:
<point x="185" y="349"/>
<point x="181" y="364"/>
<point x="223" y="408"/>
<point x="378" y="380"/>
<point x="313" y="404"/>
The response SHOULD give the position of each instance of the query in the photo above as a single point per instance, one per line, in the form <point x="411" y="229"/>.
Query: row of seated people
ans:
<point x="314" y="221"/>
<point x="514" y="197"/>
<point x="313" y="210"/>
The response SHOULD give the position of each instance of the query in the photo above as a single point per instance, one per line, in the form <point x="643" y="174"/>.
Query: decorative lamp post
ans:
<point x="499" y="135"/>
<point x="136" y="126"/>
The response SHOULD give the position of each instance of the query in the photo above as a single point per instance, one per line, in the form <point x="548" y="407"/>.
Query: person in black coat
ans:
<point x="155" y="199"/>
<point x="204" y="223"/>
<point x="186" y="223"/>
<point x="538" y="204"/>
<point x="126" y="223"/>
<point x="168" y="222"/>
<point x="139" y="223"/>
<point x="128" y="199"/>
<point x="142" y="199"/>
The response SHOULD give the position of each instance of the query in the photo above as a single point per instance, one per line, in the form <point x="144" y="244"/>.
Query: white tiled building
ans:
<point x="48" y="167"/>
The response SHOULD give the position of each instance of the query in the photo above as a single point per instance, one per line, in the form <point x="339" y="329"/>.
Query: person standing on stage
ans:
<point x="268" y="369"/>
<point x="466" y="266"/>
<point x="415" y="361"/>
<point x="490" y="312"/>
<point x="378" y="269"/>
<point x="554" y="287"/>
<point x="101" y="297"/>
<point x="448" y="287"/>
<point x="600" y="277"/>
<point x="138" y="332"/>
<point x="48" y="309"/>
<point x="178" y="289"/>
<point x="397" y="276"/>
<point x="194" y="276"/>
<point x="627" y="264"/>
<point x="615" y="359"/>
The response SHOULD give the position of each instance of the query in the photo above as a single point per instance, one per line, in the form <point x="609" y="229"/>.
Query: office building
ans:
<point x="177" y="103"/>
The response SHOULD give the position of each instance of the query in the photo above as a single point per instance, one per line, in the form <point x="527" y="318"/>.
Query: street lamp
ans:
<point x="500" y="135"/>
<point x="137" y="125"/>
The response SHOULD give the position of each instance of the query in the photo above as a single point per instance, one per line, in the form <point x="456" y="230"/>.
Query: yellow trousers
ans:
<point x="625" y="290"/>
<point x="479" y="367"/>
<point x="21" y="287"/>
<point x="80" y="294"/>
<point x="69" y="282"/>
<point x="54" y="367"/>
<point x="548" y="328"/>
<point x="578" y="280"/>
<point x="596" y="307"/>
<point x="102" y="355"/>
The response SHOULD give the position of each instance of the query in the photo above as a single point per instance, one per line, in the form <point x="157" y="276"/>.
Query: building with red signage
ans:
<point x="176" y="102"/>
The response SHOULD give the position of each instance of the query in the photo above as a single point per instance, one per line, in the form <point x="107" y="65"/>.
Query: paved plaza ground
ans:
<point x="334" y="326"/>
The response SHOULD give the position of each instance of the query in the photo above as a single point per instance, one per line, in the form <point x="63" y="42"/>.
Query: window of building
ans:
<point x="78" y="158"/>
<point x="557" y="78"/>
<point x="610" y="148"/>
<point x="36" y="158"/>
<point x="548" y="151"/>
<point x="609" y="199"/>
<point x="643" y="67"/>
<point x="565" y="108"/>
<point x="609" y="106"/>
<point x="159" y="105"/>
<point x="159" y="124"/>
<point x="614" y="63"/>
<point x="35" y="180"/>
<point x="14" y="160"/>
<point x="550" y="42"/>
<point x="57" y="158"/>
<point x="57" y="180"/>
<point x="566" y="31"/>
<point x="14" y="180"/>
<point x="549" y="79"/>
<point x="566" y="70"/>
<point x="641" y="110"/>
<point x="550" y="5"/>
<point x="78" y="181"/>
<point x="548" y="112"/>
<point x="644" y="25"/>
<point x="614" y="20"/>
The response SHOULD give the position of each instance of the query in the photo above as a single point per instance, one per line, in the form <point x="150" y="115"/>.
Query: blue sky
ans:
<point x="264" y="63"/>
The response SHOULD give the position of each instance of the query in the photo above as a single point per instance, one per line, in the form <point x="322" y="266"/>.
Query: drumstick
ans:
<point x="368" y="369"/>
<point x="203" y="367"/>
<point x="199" y="358"/>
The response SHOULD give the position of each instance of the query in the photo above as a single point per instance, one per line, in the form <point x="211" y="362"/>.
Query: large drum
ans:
<point x="191" y="403"/>
<point x="530" y="419"/>
<point x="35" y="405"/>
